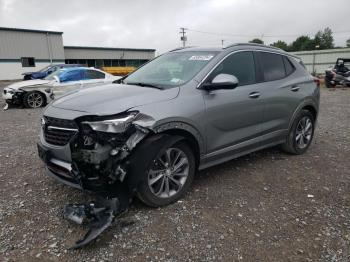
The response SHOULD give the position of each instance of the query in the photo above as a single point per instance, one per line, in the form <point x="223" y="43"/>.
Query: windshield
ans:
<point x="56" y="73"/>
<point x="171" y="69"/>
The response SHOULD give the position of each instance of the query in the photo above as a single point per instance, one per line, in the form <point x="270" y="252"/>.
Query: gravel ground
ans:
<point x="267" y="206"/>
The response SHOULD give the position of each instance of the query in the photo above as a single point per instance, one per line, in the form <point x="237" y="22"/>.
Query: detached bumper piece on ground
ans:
<point x="97" y="216"/>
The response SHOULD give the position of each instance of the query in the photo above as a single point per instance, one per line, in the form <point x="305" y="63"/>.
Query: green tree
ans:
<point x="324" y="39"/>
<point x="281" y="44"/>
<point x="302" y="43"/>
<point x="348" y="43"/>
<point x="257" y="41"/>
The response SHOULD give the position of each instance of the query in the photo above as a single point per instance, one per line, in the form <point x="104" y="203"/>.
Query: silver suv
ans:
<point x="185" y="110"/>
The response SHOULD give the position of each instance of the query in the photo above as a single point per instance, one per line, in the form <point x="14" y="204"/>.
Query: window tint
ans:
<point x="75" y="75"/>
<point x="288" y="66"/>
<point x="241" y="65"/>
<point x="92" y="74"/>
<point x="28" y="61"/>
<point x="272" y="66"/>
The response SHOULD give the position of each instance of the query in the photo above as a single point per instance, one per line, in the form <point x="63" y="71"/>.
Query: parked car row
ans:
<point x="39" y="92"/>
<point x="46" y="71"/>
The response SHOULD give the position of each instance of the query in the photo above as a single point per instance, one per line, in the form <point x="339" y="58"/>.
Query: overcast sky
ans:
<point x="156" y="24"/>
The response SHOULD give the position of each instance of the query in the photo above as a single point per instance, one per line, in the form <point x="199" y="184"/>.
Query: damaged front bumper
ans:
<point x="95" y="158"/>
<point x="12" y="96"/>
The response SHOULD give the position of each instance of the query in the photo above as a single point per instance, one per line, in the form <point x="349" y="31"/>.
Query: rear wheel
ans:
<point x="300" y="134"/>
<point x="168" y="175"/>
<point x="33" y="99"/>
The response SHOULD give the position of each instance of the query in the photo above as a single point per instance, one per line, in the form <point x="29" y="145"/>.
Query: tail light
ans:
<point x="317" y="82"/>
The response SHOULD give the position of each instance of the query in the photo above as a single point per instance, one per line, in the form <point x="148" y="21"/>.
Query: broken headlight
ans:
<point x="113" y="125"/>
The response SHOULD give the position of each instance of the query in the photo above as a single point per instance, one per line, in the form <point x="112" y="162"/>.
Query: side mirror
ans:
<point x="57" y="79"/>
<point x="222" y="81"/>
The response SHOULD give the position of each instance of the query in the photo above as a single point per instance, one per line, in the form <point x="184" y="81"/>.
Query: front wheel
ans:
<point x="33" y="99"/>
<point x="168" y="175"/>
<point x="300" y="134"/>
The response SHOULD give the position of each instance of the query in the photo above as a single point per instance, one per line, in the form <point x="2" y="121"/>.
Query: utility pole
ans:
<point x="183" y="36"/>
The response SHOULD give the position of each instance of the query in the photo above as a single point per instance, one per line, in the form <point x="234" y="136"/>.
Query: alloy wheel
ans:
<point x="35" y="100"/>
<point x="304" y="131"/>
<point x="168" y="173"/>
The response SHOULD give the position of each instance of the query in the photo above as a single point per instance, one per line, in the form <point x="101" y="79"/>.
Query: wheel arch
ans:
<point x="312" y="110"/>
<point x="307" y="104"/>
<point x="188" y="132"/>
<point x="35" y="91"/>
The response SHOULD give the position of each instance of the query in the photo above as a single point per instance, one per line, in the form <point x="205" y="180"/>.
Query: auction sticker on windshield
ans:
<point x="201" y="57"/>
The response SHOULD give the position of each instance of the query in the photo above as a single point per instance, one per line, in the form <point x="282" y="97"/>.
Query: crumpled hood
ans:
<point x="29" y="83"/>
<point x="113" y="98"/>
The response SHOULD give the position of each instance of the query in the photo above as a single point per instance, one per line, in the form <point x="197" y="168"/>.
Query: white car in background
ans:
<point x="39" y="92"/>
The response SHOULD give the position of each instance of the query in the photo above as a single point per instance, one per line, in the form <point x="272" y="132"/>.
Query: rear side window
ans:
<point x="272" y="66"/>
<point x="288" y="66"/>
<point x="75" y="75"/>
<point x="241" y="65"/>
<point x="92" y="74"/>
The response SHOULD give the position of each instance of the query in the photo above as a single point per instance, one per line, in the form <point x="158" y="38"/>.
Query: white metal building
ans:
<point x="107" y="56"/>
<point x="23" y="50"/>
<point x="319" y="60"/>
<point x="26" y="50"/>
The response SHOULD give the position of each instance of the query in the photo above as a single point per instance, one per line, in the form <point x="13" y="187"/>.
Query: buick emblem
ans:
<point x="87" y="140"/>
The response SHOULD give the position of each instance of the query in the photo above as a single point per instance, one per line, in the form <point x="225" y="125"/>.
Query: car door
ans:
<point x="234" y="116"/>
<point x="93" y="78"/>
<point x="282" y="91"/>
<point x="69" y="81"/>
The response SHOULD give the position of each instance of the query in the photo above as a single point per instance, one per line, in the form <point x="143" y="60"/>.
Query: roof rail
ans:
<point x="252" y="44"/>
<point x="180" y="48"/>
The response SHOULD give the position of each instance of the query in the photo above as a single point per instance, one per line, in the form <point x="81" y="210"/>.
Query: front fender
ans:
<point x="179" y="125"/>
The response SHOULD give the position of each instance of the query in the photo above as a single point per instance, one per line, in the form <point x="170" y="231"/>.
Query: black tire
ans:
<point x="296" y="146"/>
<point x="34" y="99"/>
<point x="145" y="160"/>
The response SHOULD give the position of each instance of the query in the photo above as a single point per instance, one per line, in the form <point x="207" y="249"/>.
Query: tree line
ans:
<point x="323" y="39"/>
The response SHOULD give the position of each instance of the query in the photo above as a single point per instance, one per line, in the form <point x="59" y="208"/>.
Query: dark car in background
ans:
<point x="339" y="74"/>
<point x="46" y="71"/>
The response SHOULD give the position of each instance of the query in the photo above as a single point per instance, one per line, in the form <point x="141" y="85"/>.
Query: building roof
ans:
<point x="29" y="30"/>
<point x="109" y="48"/>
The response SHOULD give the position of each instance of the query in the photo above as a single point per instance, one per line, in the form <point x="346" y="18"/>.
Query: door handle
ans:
<point x="254" y="95"/>
<point x="295" y="88"/>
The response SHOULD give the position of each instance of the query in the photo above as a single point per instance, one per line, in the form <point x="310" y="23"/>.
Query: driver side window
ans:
<point x="241" y="65"/>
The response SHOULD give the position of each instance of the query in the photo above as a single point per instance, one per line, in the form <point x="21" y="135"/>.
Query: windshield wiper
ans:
<point x="144" y="85"/>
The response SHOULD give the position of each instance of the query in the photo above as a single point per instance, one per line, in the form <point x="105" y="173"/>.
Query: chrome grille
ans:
<point x="59" y="131"/>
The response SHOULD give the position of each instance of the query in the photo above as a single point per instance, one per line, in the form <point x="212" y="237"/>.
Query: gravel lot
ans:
<point x="267" y="206"/>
